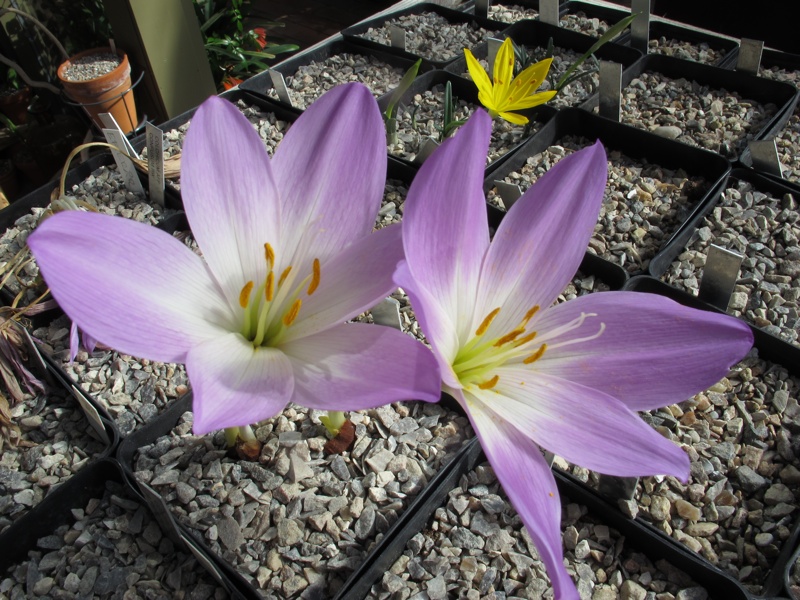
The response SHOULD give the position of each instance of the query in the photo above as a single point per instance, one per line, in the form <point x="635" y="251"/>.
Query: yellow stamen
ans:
<point x="244" y="295"/>
<point x="269" y="254"/>
<point x="486" y="322"/>
<point x="284" y="275"/>
<point x="292" y="313"/>
<point x="529" y="314"/>
<point x="312" y="287"/>
<point x="536" y="355"/>
<point x="487" y="385"/>
<point x="509" y="337"/>
<point x="526" y="339"/>
<point x="269" y="286"/>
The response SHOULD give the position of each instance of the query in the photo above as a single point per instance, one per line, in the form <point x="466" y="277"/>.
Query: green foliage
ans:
<point x="234" y="51"/>
<point x="9" y="80"/>
<point x="449" y="122"/>
<point x="524" y="58"/>
<point x="78" y="24"/>
<point x="402" y="88"/>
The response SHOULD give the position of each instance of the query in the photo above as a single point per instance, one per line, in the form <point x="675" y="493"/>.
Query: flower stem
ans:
<point x="231" y="435"/>
<point x="333" y="421"/>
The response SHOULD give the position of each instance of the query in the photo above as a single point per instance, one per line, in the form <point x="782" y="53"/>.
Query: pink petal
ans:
<point x="355" y="366"/>
<point x="652" y="352"/>
<point x="445" y="225"/>
<point x="350" y="282"/>
<point x="235" y="384"/>
<point x="583" y="425"/>
<point x="136" y="288"/>
<point x="74" y="343"/>
<point x="531" y="488"/>
<point x="438" y="325"/>
<point x="330" y="168"/>
<point x="541" y="242"/>
<point x="230" y="195"/>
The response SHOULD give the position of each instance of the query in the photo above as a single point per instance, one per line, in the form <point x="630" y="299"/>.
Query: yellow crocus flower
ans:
<point x="508" y="93"/>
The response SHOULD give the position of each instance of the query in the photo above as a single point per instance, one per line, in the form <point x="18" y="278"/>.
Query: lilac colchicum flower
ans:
<point x="567" y="378"/>
<point x="289" y="257"/>
<point x="78" y="339"/>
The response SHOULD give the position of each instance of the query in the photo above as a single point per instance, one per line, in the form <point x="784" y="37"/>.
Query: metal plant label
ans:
<point x="155" y="163"/>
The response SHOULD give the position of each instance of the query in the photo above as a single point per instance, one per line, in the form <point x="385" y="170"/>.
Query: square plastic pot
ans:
<point x="637" y="145"/>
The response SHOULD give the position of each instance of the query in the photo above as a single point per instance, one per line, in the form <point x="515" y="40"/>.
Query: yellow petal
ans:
<point x="503" y="70"/>
<point x="479" y="77"/>
<point x="531" y="78"/>
<point x="530" y="101"/>
<point x="514" y="118"/>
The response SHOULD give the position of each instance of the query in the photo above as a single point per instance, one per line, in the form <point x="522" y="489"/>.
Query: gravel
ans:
<point x="267" y="124"/>
<point x="702" y="53"/>
<point x="56" y="442"/>
<point x="715" y="119"/>
<point x="788" y="139"/>
<point x="739" y="506"/>
<point x="431" y="35"/>
<point x="132" y="390"/>
<point x="578" y="21"/>
<point x="299" y="521"/>
<point x="764" y="228"/>
<point x="391" y="210"/>
<point x="91" y="67"/>
<point x="112" y="549"/>
<point x="476" y="547"/>
<point x="105" y="190"/>
<point x="422" y="119"/>
<point x="644" y="203"/>
<point x="310" y="81"/>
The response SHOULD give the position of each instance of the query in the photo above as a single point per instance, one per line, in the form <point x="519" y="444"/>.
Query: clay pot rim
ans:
<point x="100" y="50"/>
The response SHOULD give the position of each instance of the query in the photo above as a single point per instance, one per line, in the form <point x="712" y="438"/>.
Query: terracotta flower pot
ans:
<point x="110" y="93"/>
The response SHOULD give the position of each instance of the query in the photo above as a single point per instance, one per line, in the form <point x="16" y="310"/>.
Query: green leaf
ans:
<point x="448" y="106"/>
<point x="402" y="88"/>
<point x="214" y="18"/>
<point x="612" y="32"/>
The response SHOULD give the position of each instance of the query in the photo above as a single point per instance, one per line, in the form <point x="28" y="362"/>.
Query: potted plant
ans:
<point x="234" y="52"/>
<point x="99" y="80"/>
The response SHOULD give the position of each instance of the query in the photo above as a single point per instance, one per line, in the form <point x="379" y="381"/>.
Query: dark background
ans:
<point x="775" y="22"/>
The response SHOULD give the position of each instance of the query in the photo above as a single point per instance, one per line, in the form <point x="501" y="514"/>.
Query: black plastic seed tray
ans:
<point x="674" y="31"/>
<point x="262" y="83"/>
<point x="649" y="541"/>
<point x="769" y="348"/>
<point x="529" y="4"/>
<point x="608" y="14"/>
<point x="770" y="185"/>
<point x="661" y="262"/>
<point x="41" y="197"/>
<point x="126" y="453"/>
<point x="264" y="104"/>
<point x="56" y="510"/>
<point x="635" y="144"/>
<point x="765" y="91"/>
<point x="778" y="60"/>
<point x="354" y="33"/>
<point x="536" y="34"/>
<point x="165" y="422"/>
<point x="247" y="96"/>
<point x="463" y="89"/>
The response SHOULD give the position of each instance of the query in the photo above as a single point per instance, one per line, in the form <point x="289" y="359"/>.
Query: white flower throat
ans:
<point x="476" y="361"/>
<point x="276" y="302"/>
